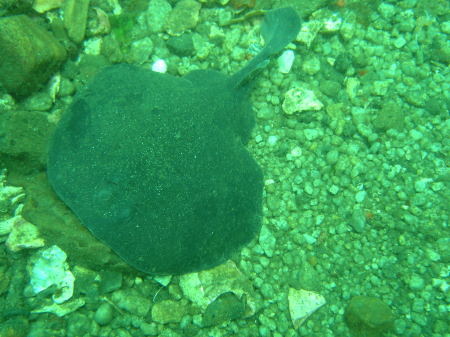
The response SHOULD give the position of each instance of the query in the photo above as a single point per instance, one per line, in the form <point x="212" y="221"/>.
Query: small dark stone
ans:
<point x="391" y="116"/>
<point x="224" y="308"/>
<point x="343" y="62"/>
<point x="110" y="281"/>
<point x="437" y="106"/>
<point x="181" y="45"/>
<point x="330" y="88"/>
<point x="440" y="50"/>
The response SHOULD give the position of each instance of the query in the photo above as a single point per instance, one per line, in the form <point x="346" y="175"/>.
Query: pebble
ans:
<point x="445" y="27"/>
<point x="42" y="6"/>
<point x="75" y="18"/>
<point x="285" y="61"/>
<point x="360" y="196"/>
<point x="386" y="10"/>
<point x="149" y="329"/>
<point x="312" y="134"/>
<point x="332" y="23"/>
<point x="110" y="281"/>
<point x="308" y="31"/>
<point x="358" y="220"/>
<point x="67" y="88"/>
<point x="21" y="71"/>
<point x="104" y="314"/>
<point x="48" y="267"/>
<point x="416" y="282"/>
<point x="224" y="308"/>
<point x="300" y="99"/>
<point x="302" y="304"/>
<point x="368" y="316"/>
<point x="309" y="189"/>
<point x="432" y="255"/>
<point x="156" y="15"/>
<point x="272" y="140"/>
<point x="132" y="301"/>
<point x="267" y="241"/>
<point x="421" y="184"/>
<point x="267" y="291"/>
<point x="399" y="42"/>
<point x="159" y="66"/>
<point x="168" y="311"/>
<point x="183" y="16"/>
<point x="140" y="50"/>
<point x="182" y="45"/>
<point x="330" y="88"/>
<point x="309" y="239"/>
<point x="38" y="102"/>
<point x="332" y="157"/>
<point x="334" y="189"/>
<point x="311" y="65"/>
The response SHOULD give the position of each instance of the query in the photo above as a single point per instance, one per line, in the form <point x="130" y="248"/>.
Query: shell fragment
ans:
<point x="302" y="303"/>
<point x="300" y="99"/>
<point x="285" y="61"/>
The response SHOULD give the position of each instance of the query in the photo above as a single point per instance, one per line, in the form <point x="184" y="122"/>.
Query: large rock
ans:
<point x="368" y="317"/>
<point x="29" y="55"/>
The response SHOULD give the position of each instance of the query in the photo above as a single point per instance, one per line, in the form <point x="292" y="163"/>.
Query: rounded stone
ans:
<point x="368" y="316"/>
<point x="104" y="314"/>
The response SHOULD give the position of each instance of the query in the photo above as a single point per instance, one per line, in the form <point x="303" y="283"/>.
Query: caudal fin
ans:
<point x="279" y="28"/>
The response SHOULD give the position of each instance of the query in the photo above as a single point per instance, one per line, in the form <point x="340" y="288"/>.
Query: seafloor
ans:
<point x="353" y="141"/>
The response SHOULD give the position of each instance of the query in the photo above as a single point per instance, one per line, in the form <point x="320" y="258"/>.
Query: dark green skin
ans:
<point x="155" y="166"/>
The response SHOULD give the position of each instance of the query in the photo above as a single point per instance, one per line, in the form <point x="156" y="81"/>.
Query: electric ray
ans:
<point x="155" y="165"/>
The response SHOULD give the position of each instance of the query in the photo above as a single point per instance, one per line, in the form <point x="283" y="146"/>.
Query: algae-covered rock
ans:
<point x="391" y="116"/>
<point x="184" y="16"/>
<point x="224" y="308"/>
<point x="29" y="55"/>
<point x="131" y="301"/>
<point x="368" y="316"/>
<point x="168" y="311"/>
<point x="156" y="15"/>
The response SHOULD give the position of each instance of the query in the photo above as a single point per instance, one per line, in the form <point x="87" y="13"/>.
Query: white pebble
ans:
<point x="159" y="66"/>
<point x="285" y="61"/>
